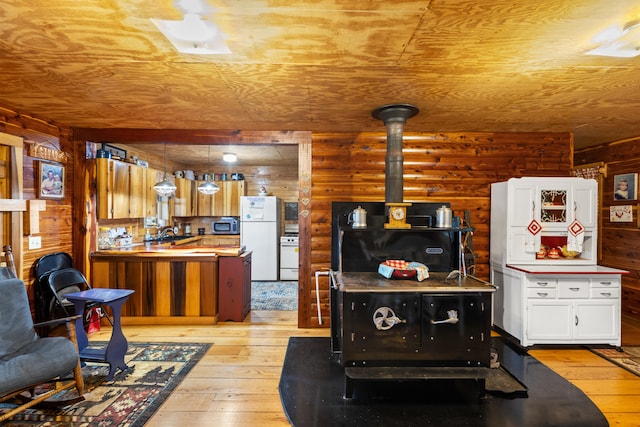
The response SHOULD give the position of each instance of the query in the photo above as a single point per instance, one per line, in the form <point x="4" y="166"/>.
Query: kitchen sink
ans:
<point x="169" y="238"/>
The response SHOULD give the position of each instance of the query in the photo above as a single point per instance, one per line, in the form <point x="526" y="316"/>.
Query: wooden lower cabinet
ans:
<point x="234" y="287"/>
<point x="168" y="290"/>
<point x="221" y="240"/>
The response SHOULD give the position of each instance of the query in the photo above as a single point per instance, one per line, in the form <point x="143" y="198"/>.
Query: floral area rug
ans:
<point x="131" y="398"/>
<point x="628" y="359"/>
<point x="274" y="296"/>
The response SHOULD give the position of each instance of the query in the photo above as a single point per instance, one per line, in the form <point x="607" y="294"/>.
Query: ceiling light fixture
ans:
<point x="620" y="42"/>
<point x="208" y="187"/>
<point x="165" y="187"/>
<point x="229" y="157"/>
<point x="194" y="34"/>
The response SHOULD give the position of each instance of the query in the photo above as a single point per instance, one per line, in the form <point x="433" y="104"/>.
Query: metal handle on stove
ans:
<point x="453" y="318"/>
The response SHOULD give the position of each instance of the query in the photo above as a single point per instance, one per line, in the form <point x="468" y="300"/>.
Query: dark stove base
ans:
<point x="312" y="389"/>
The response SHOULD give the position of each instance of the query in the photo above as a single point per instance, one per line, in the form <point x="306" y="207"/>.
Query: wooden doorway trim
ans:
<point x="15" y="205"/>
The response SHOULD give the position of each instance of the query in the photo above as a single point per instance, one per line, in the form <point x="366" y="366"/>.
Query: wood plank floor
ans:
<point x="236" y="383"/>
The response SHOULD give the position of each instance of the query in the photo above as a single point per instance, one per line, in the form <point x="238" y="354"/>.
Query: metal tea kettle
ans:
<point x="443" y="217"/>
<point x="357" y="218"/>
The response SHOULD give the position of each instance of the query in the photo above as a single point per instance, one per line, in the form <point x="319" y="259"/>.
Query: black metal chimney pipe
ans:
<point x="394" y="117"/>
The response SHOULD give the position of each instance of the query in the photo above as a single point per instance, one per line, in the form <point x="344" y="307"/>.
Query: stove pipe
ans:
<point x="394" y="117"/>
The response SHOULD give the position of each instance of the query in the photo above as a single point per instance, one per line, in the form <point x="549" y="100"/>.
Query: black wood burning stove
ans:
<point x="404" y="329"/>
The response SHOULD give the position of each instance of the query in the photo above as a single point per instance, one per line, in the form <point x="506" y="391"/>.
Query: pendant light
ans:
<point x="165" y="187"/>
<point x="208" y="187"/>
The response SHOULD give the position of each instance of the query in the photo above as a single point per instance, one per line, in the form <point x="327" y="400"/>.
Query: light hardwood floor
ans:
<point x="236" y="383"/>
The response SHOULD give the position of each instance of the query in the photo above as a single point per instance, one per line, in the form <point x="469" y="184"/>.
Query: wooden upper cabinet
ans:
<point x="225" y="202"/>
<point x="137" y="191"/>
<point x="184" y="200"/>
<point x="153" y="176"/>
<point x="121" y="189"/>
<point x="232" y="192"/>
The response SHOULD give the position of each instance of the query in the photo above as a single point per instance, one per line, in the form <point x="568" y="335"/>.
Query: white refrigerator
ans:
<point x="260" y="234"/>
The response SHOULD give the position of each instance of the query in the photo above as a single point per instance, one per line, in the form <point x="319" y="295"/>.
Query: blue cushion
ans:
<point x="39" y="361"/>
<point x="26" y="359"/>
<point x="16" y="323"/>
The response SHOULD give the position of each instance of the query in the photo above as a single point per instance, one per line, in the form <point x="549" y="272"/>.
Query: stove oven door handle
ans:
<point x="453" y="318"/>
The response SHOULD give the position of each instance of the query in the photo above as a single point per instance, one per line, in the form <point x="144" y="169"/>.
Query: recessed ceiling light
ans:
<point x="194" y="34"/>
<point x="229" y="157"/>
<point x="618" y="41"/>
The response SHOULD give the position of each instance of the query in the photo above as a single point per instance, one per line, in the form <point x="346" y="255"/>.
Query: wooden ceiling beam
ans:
<point x="190" y="136"/>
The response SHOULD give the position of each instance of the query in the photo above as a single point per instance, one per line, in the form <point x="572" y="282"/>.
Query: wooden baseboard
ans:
<point x="169" y="320"/>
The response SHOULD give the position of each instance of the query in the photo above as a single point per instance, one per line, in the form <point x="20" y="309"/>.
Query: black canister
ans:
<point x="103" y="154"/>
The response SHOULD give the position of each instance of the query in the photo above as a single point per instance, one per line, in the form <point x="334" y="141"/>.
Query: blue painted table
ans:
<point x="113" y="353"/>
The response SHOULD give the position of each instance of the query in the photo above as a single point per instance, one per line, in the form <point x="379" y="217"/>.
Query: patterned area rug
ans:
<point x="274" y="296"/>
<point x="628" y="359"/>
<point x="155" y="370"/>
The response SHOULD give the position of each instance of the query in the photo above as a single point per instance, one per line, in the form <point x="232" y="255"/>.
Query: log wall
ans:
<point x="56" y="228"/>
<point x="620" y="241"/>
<point x="452" y="167"/>
<point x="438" y="167"/>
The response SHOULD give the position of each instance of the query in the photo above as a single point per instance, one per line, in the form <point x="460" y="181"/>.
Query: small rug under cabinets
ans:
<point x="274" y="296"/>
<point x="628" y="359"/>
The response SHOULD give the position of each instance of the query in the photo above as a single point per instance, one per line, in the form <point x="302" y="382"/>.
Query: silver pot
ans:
<point x="357" y="218"/>
<point x="443" y="217"/>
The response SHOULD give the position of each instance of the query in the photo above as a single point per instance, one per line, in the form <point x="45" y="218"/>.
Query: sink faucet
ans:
<point x="163" y="232"/>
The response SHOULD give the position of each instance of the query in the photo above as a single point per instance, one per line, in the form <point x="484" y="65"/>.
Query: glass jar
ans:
<point x="105" y="241"/>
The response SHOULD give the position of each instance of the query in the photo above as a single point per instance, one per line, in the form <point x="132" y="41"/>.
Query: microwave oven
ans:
<point x="225" y="225"/>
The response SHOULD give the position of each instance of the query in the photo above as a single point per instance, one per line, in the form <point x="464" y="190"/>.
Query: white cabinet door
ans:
<point x="522" y="205"/>
<point x="585" y="205"/>
<point x="553" y="202"/>
<point x="548" y="320"/>
<point x="597" y="319"/>
<point x="521" y="246"/>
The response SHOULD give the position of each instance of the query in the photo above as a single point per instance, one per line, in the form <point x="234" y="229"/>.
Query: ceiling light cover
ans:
<point x="193" y="35"/>
<point x="165" y="187"/>
<point x="620" y="42"/>
<point x="229" y="157"/>
<point x="208" y="187"/>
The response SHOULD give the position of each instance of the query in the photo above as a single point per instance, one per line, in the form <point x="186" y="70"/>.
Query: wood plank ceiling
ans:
<point x="324" y="65"/>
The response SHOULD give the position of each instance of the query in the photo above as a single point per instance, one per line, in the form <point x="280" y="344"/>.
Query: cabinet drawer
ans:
<point x="605" y="283"/>
<point x="573" y="290"/>
<point x="613" y="293"/>
<point x="545" y="282"/>
<point x="542" y="293"/>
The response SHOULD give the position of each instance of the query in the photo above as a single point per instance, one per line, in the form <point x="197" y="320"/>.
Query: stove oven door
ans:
<point x="456" y="329"/>
<point x="380" y="327"/>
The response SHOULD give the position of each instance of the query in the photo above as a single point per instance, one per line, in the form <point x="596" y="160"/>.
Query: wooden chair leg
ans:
<point x="77" y="371"/>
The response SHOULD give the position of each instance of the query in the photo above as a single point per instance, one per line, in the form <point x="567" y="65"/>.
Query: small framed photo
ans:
<point x="50" y="177"/>
<point x="115" y="151"/>
<point x="621" y="213"/>
<point x="625" y="186"/>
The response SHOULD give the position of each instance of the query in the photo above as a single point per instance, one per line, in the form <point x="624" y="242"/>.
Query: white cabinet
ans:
<point x="558" y="308"/>
<point x="531" y="213"/>
<point x="551" y="300"/>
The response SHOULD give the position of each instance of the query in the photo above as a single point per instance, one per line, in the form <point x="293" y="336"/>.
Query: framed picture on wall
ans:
<point x="50" y="177"/>
<point x="625" y="186"/>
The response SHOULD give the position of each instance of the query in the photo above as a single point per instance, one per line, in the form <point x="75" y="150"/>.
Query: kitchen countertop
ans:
<point x="437" y="282"/>
<point x="566" y="269"/>
<point x="185" y="247"/>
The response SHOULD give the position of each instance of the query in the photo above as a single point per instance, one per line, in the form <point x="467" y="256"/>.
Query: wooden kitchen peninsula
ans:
<point x="172" y="284"/>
